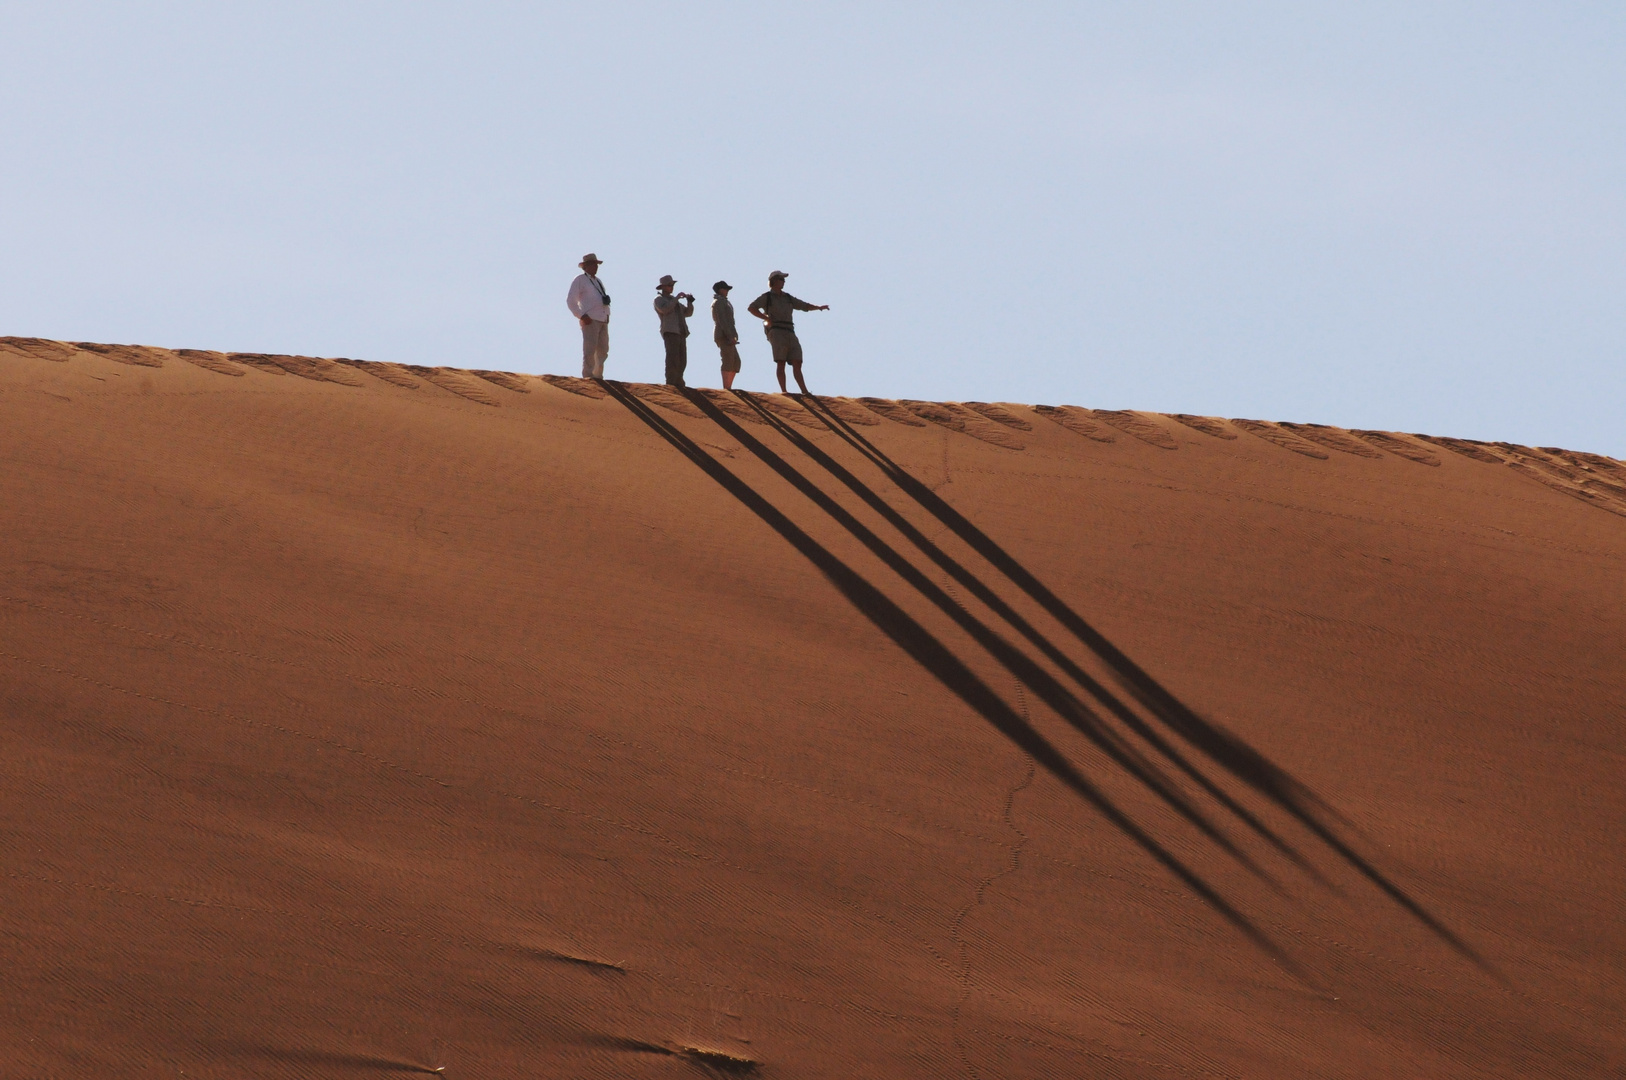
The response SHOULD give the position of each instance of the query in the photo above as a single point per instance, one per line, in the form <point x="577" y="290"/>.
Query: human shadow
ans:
<point x="1222" y="748"/>
<point x="938" y="659"/>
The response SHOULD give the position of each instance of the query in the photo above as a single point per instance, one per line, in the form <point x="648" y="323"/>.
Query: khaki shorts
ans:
<point x="786" y="349"/>
<point x="731" y="356"/>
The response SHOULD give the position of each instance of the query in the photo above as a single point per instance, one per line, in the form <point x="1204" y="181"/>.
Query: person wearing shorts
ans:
<point x="725" y="334"/>
<point x="776" y="308"/>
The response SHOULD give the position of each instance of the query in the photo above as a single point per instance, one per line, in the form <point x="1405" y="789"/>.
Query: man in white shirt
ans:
<point x="590" y="304"/>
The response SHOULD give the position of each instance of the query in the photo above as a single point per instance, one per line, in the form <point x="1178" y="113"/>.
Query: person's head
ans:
<point x="590" y="263"/>
<point x="665" y="287"/>
<point x="776" y="281"/>
<point x="721" y="288"/>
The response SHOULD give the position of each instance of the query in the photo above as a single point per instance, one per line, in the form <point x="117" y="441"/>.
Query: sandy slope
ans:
<point x="361" y="718"/>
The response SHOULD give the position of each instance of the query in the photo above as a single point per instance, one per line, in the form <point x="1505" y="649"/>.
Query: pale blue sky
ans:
<point x="1395" y="215"/>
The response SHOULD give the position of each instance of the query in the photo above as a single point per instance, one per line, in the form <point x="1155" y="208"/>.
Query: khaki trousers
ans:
<point x="595" y="348"/>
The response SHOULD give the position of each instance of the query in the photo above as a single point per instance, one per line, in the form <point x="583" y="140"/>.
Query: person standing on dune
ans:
<point x="725" y="335"/>
<point x="776" y="309"/>
<point x="590" y="304"/>
<point x="674" y="329"/>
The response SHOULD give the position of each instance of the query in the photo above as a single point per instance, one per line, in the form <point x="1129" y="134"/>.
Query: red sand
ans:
<point x="361" y="718"/>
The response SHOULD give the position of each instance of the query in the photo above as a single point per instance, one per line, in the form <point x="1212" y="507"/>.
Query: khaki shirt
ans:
<point x="722" y="316"/>
<point x="779" y="307"/>
<point x="674" y="316"/>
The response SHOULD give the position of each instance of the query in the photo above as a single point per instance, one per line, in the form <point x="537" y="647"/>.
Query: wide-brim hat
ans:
<point x="720" y="286"/>
<point x="668" y="279"/>
<point x="590" y="258"/>
<point x="780" y="274"/>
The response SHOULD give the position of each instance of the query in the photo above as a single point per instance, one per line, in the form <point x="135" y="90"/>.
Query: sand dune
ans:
<point x="367" y="718"/>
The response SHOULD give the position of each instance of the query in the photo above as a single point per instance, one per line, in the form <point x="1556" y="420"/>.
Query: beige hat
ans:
<point x="589" y="258"/>
<point x="780" y="274"/>
<point x="668" y="279"/>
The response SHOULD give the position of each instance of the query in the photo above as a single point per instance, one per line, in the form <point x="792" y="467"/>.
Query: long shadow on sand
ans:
<point x="1219" y="746"/>
<point x="936" y="657"/>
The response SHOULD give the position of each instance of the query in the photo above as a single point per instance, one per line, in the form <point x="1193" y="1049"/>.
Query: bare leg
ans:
<point x="728" y="379"/>
<point x="781" y="374"/>
<point x="797" y="371"/>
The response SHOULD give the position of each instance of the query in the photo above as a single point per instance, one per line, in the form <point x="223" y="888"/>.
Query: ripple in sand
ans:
<point x="664" y="396"/>
<point x="848" y="411"/>
<point x="455" y="381"/>
<point x="964" y="421"/>
<point x="394" y="374"/>
<point x="1076" y="420"/>
<point x="1138" y="426"/>
<point x="998" y="414"/>
<point x="585" y="387"/>
<point x="38" y="348"/>
<point x="1278" y="437"/>
<point x="892" y="411"/>
<point x="1333" y="438"/>
<point x="1208" y="425"/>
<point x="134" y="355"/>
<point x="505" y="379"/>
<point x="1388" y="440"/>
<point x="211" y="361"/>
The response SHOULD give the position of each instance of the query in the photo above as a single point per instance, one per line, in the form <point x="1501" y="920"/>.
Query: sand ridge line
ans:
<point x="785" y="407"/>
<point x="586" y="388"/>
<point x="1332" y="438"/>
<point x="1397" y="445"/>
<point x="892" y="410"/>
<point x="505" y="379"/>
<point x="653" y="752"/>
<point x="315" y="368"/>
<point x="1137" y="426"/>
<point x="1208" y="425"/>
<point x="134" y="355"/>
<point x="211" y="361"/>
<point x="394" y="374"/>
<point x="997" y="413"/>
<point x="846" y="409"/>
<point x="58" y="352"/>
<point x="455" y="381"/>
<point x="666" y="397"/>
<point x="1278" y="437"/>
<point x="966" y="421"/>
<point x="1076" y="420"/>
